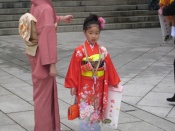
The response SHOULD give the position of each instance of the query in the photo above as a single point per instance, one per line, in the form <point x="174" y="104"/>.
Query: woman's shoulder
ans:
<point x="45" y="8"/>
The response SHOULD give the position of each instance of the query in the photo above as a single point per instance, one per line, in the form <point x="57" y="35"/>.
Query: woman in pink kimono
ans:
<point x="43" y="64"/>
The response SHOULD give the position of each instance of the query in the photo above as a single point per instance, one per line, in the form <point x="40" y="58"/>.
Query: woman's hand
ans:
<point x="67" y="18"/>
<point x="73" y="91"/>
<point x="53" y="70"/>
<point x="160" y="11"/>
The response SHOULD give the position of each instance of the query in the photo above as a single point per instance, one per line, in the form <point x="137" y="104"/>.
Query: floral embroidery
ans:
<point x="87" y="111"/>
<point x="104" y="52"/>
<point x="79" y="53"/>
<point x="105" y="81"/>
<point x="89" y="104"/>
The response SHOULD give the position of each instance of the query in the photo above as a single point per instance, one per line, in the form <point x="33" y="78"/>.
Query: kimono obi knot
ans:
<point x="27" y="30"/>
<point x="93" y="59"/>
<point x="91" y="74"/>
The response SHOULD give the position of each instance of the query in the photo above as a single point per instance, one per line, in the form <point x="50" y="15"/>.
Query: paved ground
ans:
<point x="143" y="62"/>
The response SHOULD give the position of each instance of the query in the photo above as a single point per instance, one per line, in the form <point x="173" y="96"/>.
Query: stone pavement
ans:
<point x="143" y="62"/>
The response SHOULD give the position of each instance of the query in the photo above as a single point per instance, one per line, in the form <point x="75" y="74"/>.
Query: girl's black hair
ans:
<point x="91" y="19"/>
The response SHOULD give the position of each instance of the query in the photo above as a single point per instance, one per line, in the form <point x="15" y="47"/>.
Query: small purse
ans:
<point x="73" y="112"/>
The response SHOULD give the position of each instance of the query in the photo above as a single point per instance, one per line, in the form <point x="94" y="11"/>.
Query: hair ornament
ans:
<point x="102" y="22"/>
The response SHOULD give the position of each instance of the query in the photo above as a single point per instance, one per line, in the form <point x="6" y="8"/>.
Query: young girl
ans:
<point x="90" y="73"/>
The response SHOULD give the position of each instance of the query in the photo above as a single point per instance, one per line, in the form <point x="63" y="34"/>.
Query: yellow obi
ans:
<point x="90" y="73"/>
<point x="94" y="61"/>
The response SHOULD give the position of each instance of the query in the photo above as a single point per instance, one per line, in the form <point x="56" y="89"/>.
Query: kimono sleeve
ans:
<point x="113" y="77"/>
<point x="73" y="73"/>
<point x="47" y="38"/>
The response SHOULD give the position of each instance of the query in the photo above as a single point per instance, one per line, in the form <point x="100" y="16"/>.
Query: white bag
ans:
<point x="111" y="113"/>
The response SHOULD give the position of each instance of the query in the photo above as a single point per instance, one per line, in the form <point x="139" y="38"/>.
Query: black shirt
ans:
<point x="169" y="10"/>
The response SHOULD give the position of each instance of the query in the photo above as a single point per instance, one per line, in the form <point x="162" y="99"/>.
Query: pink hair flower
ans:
<point x="102" y="22"/>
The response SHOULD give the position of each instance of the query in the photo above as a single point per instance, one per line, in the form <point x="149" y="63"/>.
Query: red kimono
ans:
<point x="92" y="86"/>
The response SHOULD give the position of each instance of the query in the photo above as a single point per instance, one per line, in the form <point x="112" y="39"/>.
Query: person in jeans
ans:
<point x="153" y="5"/>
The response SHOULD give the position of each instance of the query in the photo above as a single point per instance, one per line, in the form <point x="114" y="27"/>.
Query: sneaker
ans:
<point x="167" y="38"/>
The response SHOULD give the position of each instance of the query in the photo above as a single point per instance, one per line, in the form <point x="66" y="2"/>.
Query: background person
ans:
<point x="169" y="10"/>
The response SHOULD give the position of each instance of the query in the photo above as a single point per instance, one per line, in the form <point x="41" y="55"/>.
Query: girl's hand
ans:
<point x="117" y="86"/>
<point x="53" y="70"/>
<point x="73" y="91"/>
<point x="67" y="18"/>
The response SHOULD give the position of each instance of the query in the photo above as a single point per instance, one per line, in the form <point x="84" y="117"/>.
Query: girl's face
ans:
<point x="92" y="34"/>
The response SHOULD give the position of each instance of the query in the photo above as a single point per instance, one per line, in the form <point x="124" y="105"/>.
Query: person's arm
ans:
<point x="66" y="18"/>
<point x="113" y="77"/>
<point x="47" y="39"/>
<point x="73" y="72"/>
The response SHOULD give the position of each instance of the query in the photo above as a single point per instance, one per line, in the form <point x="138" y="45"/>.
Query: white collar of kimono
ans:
<point x="92" y="46"/>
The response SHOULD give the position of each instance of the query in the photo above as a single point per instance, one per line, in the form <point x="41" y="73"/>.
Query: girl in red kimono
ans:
<point x="43" y="64"/>
<point x="90" y="73"/>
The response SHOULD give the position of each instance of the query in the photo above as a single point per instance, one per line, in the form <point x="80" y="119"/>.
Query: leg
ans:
<point x="173" y="98"/>
<point x="173" y="28"/>
<point x="150" y="4"/>
<point x="46" y="109"/>
<point x="46" y="105"/>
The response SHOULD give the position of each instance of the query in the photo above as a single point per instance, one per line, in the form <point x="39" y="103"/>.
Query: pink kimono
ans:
<point x="46" y="110"/>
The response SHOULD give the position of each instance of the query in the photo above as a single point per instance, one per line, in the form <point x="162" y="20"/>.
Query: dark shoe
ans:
<point x="167" y="38"/>
<point x="171" y="99"/>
